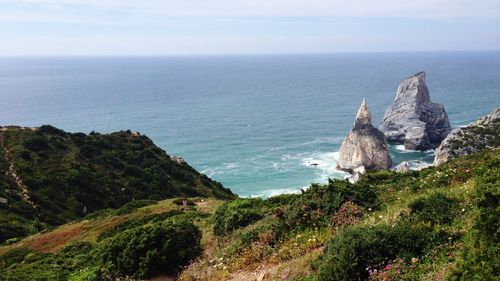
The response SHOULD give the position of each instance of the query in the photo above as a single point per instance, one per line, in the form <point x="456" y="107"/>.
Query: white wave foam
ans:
<point x="226" y="168"/>
<point x="401" y="149"/>
<point x="277" y="191"/>
<point x="326" y="164"/>
<point x="418" y="164"/>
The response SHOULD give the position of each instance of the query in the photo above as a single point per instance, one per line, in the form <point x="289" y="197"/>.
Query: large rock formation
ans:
<point x="365" y="146"/>
<point x="413" y="119"/>
<point x="480" y="135"/>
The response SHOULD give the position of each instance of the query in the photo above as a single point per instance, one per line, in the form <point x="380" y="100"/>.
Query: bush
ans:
<point x="146" y="251"/>
<point x="236" y="214"/>
<point x="436" y="209"/>
<point x="354" y="249"/>
<point x="129" y="224"/>
<point x="319" y="203"/>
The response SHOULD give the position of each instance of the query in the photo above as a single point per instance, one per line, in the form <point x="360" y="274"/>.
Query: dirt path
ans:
<point x="259" y="274"/>
<point x="13" y="174"/>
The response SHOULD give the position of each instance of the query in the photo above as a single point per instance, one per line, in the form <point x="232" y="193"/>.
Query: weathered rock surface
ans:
<point x="364" y="147"/>
<point x="403" y="167"/>
<point x="413" y="119"/>
<point x="477" y="136"/>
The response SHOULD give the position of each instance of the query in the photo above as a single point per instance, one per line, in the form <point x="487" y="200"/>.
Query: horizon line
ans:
<point x="243" y="54"/>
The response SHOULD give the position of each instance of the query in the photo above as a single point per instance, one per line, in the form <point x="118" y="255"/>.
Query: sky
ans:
<point x="183" y="27"/>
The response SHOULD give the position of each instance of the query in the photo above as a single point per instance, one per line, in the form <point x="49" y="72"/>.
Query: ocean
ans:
<point x="256" y="123"/>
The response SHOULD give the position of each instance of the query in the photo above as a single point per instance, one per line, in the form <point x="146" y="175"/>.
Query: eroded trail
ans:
<point x="13" y="173"/>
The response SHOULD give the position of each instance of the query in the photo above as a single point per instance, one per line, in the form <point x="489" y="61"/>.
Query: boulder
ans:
<point x="403" y="167"/>
<point x="477" y="136"/>
<point x="365" y="147"/>
<point x="413" y="119"/>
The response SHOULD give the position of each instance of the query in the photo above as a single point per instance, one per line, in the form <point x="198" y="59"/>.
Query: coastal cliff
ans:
<point x="413" y="119"/>
<point x="365" y="146"/>
<point x="477" y="136"/>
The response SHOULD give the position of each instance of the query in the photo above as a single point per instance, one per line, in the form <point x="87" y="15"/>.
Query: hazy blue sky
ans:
<point x="152" y="27"/>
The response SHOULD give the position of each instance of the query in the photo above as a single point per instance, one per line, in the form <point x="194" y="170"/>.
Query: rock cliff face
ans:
<point x="413" y="119"/>
<point x="365" y="146"/>
<point x="480" y="135"/>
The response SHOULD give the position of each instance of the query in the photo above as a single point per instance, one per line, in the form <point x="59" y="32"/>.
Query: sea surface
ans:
<point x="255" y="123"/>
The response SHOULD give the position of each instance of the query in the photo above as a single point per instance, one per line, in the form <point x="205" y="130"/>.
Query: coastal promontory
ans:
<point x="413" y="119"/>
<point x="477" y="136"/>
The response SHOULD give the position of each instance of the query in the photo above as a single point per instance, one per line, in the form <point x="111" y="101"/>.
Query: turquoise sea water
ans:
<point x="255" y="123"/>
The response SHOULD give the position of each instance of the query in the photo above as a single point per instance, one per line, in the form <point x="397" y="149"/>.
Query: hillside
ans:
<point x="440" y="223"/>
<point x="477" y="136"/>
<point x="49" y="177"/>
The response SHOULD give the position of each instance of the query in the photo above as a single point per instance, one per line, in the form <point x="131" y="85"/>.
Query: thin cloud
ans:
<point x="284" y="8"/>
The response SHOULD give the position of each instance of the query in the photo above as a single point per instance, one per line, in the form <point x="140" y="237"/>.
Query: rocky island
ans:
<point x="364" y="147"/>
<point x="413" y="119"/>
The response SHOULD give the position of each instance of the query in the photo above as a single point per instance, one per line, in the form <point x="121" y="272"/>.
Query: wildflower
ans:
<point x="380" y="216"/>
<point x="414" y="260"/>
<point x="463" y="209"/>
<point x="369" y="209"/>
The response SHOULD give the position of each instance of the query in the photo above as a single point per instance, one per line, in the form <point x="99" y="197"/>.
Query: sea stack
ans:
<point x="365" y="147"/>
<point x="413" y="119"/>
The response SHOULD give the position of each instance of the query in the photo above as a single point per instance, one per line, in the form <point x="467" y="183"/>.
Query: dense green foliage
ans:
<point x="314" y="207"/>
<point x="435" y="224"/>
<point x="428" y="228"/>
<point x="436" y="209"/>
<point x="353" y="250"/>
<point x="160" y="244"/>
<point x="153" y="249"/>
<point x="68" y="175"/>
<point x="24" y="264"/>
<point x="237" y="214"/>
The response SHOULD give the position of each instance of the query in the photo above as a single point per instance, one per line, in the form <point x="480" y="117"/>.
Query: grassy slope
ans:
<point x="294" y="258"/>
<point x="295" y="254"/>
<point x="63" y="173"/>
<point x="90" y="227"/>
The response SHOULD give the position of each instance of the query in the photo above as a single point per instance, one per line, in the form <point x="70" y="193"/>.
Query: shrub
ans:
<point x="129" y="224"/>
<point x="348" y="214"/>
<point x="319" y="203"/>
<point x="436" y="209"/>
<point x="236" y="214"/>
<point x="354" y="249"/>
<point x="37" y="143"/>
<point x="146" y="251"/>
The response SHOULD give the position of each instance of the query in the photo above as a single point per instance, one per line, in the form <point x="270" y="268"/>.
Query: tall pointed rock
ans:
<point x="365" y="146"/>
<point x="413" y="119"/>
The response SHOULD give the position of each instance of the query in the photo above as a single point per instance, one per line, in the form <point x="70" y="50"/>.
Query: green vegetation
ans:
<point x="352" y="251"/>
<point x="140" y="247"/>
<point x="440" y="223"/>
<point x="151" y="250"/>
<point x="68" y="175"/>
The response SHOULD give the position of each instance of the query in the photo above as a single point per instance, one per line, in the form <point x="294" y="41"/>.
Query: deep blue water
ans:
<point x="255" y="123"/>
